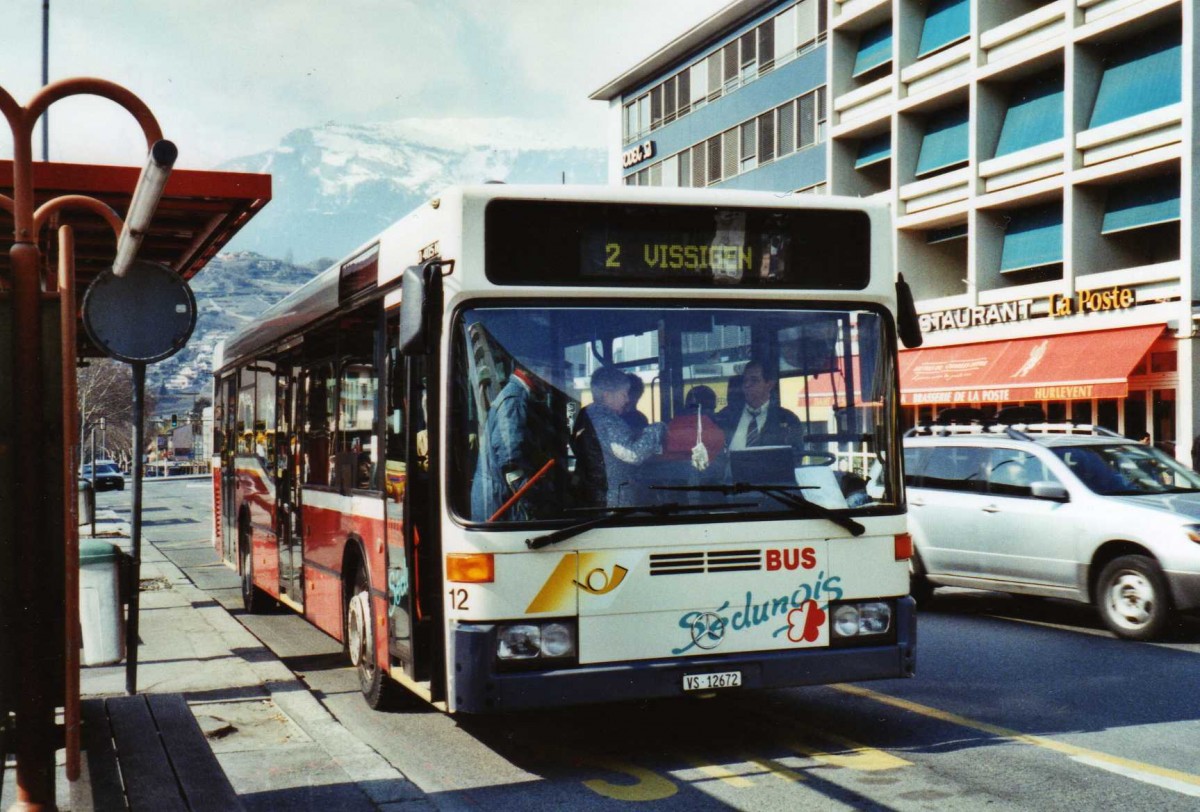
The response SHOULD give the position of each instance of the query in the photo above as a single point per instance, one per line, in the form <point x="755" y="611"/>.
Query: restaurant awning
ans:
<point x="1072" y="366"/>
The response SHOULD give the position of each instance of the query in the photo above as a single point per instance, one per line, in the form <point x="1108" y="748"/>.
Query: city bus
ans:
<point x="358" y="419"/>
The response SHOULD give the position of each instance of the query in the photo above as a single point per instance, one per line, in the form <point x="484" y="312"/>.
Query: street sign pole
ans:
<point x="135" y="574"/>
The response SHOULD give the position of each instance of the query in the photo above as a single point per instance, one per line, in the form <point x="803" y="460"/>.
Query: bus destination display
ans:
<point x="723" y="254"/>
<point x="606" y="244"/>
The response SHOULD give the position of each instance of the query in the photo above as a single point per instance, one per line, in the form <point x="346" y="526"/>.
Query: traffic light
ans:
<point x="174" y="420"/>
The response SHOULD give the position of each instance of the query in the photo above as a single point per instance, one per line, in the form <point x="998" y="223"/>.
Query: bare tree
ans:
<point x="105" y="390"/>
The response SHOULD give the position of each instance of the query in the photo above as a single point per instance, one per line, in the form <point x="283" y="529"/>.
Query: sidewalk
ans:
<point x="278" y="745"/>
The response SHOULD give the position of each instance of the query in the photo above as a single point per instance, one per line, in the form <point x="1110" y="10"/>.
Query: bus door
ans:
<point x="227" y="393"/>
<point x="287" y="488"/>
<point x="414" y="565"/>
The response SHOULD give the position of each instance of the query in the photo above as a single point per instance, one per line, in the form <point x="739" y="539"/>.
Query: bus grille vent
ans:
<point x="699" y="562"/>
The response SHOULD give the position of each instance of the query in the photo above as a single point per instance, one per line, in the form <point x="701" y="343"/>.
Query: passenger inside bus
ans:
<point x="521" y="437"/>
<point x="620" y="450"/>
<point x="760" y="421"/>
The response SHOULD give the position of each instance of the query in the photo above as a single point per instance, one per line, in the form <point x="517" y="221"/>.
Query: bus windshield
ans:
<point x="566" y="412"/>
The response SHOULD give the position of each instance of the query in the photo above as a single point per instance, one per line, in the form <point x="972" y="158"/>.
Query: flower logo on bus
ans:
<point x="802" y="611"/>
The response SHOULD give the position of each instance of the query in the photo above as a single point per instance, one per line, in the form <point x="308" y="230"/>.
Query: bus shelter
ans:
<point x="200" y="211"/>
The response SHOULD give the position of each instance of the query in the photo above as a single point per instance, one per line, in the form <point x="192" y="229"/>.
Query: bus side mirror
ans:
<point x="420" y="307"/>
<point x="908" y="325"/>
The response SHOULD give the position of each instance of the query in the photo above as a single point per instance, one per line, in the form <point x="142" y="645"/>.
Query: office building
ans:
<point x="1035" y="157"/>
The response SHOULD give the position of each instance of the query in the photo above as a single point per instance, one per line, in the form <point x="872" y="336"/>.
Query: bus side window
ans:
<point x="317" y="418"/>
<point x="357" y="456"/>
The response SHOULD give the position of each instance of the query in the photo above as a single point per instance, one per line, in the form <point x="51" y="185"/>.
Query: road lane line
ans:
<point x="1187" y="783"/>
<point x="859" y="756"/>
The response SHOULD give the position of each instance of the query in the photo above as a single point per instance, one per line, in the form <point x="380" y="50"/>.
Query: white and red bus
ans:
<point x="352" y="417"/>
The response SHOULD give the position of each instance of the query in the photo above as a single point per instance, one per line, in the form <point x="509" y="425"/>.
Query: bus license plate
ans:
<point x="707" y="682"/>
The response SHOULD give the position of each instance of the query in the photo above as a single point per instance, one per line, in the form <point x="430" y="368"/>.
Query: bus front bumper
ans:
<point x="481" y="688"/>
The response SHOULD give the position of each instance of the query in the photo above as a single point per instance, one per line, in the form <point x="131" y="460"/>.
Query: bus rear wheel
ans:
<point x="377" y="688"/>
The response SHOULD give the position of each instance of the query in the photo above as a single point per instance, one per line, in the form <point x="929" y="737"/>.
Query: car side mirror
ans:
<point x="1052" y="491"/>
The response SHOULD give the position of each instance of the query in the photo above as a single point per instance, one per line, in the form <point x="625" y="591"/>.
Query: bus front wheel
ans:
<point x="376" y="686"/>
<point x="254" y="600"/>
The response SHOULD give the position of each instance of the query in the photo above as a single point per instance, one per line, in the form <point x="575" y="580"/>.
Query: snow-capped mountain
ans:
<point x="335" y="186"/>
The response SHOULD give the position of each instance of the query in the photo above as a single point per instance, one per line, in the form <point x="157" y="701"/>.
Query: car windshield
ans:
<point x="102" y="468"/>
<point x="560" y="412"/>
<point x="1127" y="468"/>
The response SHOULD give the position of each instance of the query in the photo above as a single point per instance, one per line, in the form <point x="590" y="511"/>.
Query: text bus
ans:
<point x="420" y="450"/>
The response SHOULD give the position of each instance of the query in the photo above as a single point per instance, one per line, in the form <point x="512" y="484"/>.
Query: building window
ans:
<point x="874" y="149"/>
<point x="785" y="128"/>
<point x="1140" y="75"/>
<point x="946" y="22"/>
<point x="685" y="168"/>
<point x="699" y="178"/>
<point x="1033" y="238"/>
<point x="766" y="45"/>
<point x="874" y="49"/>
<point x="944" y="145"/>
<point x="714" y="159"/>
<point x="766" y="137"/>
<point x="1034" y="115"/>
<point x="749" y="146"/>
<point x="732" y="149"/>
<point x="1141" y="204"/>
<point x="806" y="127"/>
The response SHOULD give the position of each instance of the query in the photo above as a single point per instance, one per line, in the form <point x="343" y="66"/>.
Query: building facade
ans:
<point x="1036" y="154"/>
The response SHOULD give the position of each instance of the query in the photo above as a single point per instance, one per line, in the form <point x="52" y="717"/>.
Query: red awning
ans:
<point x="1072" y="366"/>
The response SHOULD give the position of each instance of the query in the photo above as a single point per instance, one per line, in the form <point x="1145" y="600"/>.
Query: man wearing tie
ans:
<point x="759" y="422"/>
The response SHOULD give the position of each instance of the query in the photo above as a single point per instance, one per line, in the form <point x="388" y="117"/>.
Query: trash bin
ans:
<point x="87" y="501"/>
<point x="101" y="619"/>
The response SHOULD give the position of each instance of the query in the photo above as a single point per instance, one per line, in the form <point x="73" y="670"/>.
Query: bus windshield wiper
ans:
<point x="789" y="495"/>
<point x="612" y="515"/>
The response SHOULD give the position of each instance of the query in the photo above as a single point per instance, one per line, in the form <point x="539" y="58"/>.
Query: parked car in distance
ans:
<point x="108" y="475"/>
<point x="1056" y="510"/>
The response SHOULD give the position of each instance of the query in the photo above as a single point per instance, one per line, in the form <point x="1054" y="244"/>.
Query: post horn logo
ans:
<point x="599" y="582"/>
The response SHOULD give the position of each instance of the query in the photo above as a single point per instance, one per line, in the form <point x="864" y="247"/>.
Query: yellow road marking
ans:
<point x="1081" y="754"/>
<point x="859" y="756"/>
<point x="773" y="767"/>
<point x="720" y="773"/>
<point x="647" y="785"/>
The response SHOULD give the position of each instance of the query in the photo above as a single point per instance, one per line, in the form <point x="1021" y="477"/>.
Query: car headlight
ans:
<point x="862" y="618"/>
<point x="1193" y="532"/>
<point x="549" y="639"/>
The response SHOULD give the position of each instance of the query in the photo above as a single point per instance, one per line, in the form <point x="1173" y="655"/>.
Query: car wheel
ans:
<point x="377" y="687"/>
<point x="1133" y="598"/>
<point x="918" y="585"/>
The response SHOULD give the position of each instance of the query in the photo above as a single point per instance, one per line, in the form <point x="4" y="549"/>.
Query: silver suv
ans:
<point x="1063" y="511"/>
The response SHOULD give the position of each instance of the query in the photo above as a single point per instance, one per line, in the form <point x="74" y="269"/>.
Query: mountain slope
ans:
<point x="337" y="185"/>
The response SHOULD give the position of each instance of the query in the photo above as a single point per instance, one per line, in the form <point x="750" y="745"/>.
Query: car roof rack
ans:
<point x="1016" y="422"/>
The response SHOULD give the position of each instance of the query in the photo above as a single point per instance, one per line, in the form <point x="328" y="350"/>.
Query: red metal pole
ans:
<point x="70" y="400"/>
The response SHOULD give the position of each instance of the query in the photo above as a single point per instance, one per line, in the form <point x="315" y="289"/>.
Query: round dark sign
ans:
<point x="142" y="317"/>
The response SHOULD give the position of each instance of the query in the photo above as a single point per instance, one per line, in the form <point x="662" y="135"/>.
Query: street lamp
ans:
<point x="38" y="583"/>
<point x="144" y="203"/>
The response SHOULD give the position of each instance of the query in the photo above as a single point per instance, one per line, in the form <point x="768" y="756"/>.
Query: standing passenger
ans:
<point x="621" y="451"/>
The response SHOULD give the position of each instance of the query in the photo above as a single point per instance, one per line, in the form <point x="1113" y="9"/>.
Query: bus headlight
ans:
<point x="547" y="639"/>
<point x="863" y="618"/>
<point x="522" y="641"/>
<point x="558" y="640"/>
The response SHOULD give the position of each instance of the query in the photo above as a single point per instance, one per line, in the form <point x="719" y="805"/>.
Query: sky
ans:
<point x="228" y="78"/>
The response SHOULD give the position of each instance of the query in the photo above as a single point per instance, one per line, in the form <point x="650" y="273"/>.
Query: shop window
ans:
<point x="1163" y="362"/>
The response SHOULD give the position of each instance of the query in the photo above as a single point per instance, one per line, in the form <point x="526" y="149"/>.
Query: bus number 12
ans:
<point x="458" y="599"/>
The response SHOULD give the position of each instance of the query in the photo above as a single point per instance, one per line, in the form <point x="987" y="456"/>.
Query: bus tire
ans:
<point x="377" y="687"/>
<point x="254" y="600"/>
